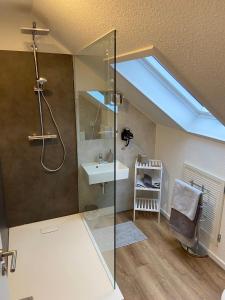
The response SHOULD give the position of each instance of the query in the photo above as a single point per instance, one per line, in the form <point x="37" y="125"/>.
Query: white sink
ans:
<point x="104" y="172"/>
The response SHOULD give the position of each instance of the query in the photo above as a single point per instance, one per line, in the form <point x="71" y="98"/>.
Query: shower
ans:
<point x="39" y="90"/>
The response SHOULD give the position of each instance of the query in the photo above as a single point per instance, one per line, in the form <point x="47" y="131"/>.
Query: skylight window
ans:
<point x="150" y="77"/>
<point x="154" y="64"/>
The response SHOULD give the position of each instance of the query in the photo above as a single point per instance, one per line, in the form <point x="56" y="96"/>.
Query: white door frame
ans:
<point x="4" y="284"/>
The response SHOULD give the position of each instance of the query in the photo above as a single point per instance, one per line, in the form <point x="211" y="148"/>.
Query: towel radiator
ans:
<point x="212" y="212"/>
<point x="198" y="249"/>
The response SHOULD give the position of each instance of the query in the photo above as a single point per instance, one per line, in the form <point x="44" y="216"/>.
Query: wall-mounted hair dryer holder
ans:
<point x="126" y="135"/>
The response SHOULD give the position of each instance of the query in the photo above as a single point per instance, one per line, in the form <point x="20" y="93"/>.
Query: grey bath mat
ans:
<point x="126" y="234"/>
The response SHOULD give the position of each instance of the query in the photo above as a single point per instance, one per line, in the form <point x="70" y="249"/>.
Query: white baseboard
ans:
<point x="165" y="214"/>
<point x="216" y="259"/>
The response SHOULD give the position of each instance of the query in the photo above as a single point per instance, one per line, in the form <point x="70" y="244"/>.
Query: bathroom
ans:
<point x="80" y="103"/>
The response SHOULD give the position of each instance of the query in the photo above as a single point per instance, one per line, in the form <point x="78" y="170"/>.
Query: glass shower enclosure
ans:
<point x="96" y="109"/>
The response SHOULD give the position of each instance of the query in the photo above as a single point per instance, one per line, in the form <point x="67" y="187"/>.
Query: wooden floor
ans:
<point x="159" y="269"/>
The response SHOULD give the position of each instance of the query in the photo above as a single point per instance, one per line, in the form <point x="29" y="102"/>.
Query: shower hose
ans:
<point x="41" y="95"/>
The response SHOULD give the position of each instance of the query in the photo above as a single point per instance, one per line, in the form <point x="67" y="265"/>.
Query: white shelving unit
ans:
<point x="152" y="204"/>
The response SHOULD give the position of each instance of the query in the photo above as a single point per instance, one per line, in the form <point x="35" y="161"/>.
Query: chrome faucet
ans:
<point x="100" y="158"/>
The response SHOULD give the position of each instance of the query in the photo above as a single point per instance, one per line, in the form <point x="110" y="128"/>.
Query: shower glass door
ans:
<point x="96" y="109"/>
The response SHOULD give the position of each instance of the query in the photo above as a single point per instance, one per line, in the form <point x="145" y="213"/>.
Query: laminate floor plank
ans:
<point x="159" y="269"/>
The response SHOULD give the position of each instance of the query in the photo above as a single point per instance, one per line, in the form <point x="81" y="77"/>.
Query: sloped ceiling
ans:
<point x="25" y="5"/>
<point x="189" y="35"/>
<point x="13" y="15"/>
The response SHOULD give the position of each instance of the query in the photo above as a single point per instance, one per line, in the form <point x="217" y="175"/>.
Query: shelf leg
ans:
<point x="158" y="217"/>
<point x="134" y="216"/>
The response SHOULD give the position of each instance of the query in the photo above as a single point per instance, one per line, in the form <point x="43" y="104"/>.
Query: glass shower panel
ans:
<point x="96" y="130"/>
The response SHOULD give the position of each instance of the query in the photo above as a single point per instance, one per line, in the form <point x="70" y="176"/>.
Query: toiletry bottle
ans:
<point x="110" y="156"/>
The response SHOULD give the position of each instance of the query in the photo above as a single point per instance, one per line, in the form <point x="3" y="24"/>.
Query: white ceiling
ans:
<point x="189" y="35"/>
<point x="25" y="5"/>
<point x="15" y="14"/>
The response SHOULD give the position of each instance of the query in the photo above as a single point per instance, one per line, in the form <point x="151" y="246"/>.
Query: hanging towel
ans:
<point x="183" y="228"/>
<point x="185" y="199"/>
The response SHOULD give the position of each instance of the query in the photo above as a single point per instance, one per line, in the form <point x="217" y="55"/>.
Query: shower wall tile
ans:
<point x="31" y="194"/>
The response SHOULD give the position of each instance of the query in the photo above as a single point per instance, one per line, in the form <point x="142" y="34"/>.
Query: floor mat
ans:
<point x="126" y="234"/>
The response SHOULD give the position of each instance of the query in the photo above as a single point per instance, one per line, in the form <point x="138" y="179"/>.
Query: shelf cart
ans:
<point x="153" y="168"/>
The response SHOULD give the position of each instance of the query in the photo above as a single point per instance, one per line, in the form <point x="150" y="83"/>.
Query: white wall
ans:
<point x="174" y="147"/>
<point x="143" y="142"/>
<point x="12" y="17"/>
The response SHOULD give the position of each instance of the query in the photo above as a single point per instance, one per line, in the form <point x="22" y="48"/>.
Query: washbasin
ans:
<point x="104" y="172"/>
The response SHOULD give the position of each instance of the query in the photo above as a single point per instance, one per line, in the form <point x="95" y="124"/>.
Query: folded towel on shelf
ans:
<point x="156" y="185"/>
<point x="185" y="199"/>
<point x="146" y="181"/>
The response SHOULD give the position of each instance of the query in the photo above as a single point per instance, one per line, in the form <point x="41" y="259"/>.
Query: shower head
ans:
<point x="35" y="31"/>
<point x="41" y="80"/>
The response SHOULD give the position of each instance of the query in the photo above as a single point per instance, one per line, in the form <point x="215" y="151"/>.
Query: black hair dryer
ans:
<point x="126" y="135"/>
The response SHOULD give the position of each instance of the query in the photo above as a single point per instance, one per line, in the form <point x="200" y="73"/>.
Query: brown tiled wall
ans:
<point x="31" y="194"/>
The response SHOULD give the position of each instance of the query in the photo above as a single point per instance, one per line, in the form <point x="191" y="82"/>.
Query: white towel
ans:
<point x="185" y="198"/>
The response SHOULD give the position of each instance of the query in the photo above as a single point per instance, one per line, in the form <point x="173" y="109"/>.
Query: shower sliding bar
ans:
<point x="39" y="89"/>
